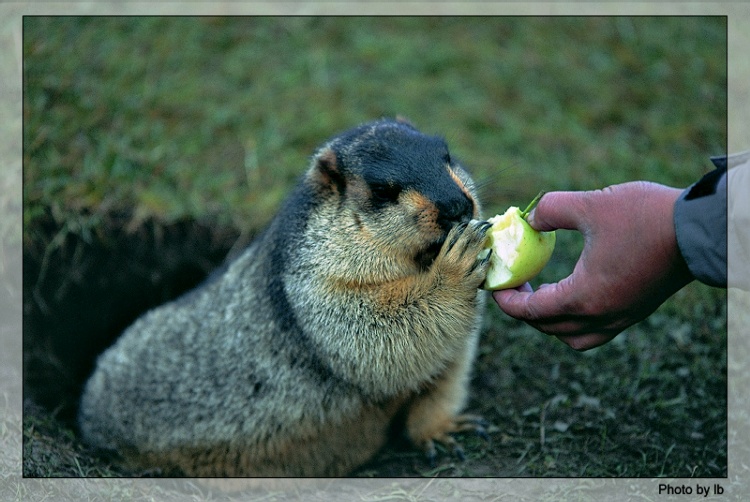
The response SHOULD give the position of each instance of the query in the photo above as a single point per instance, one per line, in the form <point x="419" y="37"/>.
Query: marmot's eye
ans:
<point x="383" y="192"/>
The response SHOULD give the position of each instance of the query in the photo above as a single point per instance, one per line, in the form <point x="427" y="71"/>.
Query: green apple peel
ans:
<point x="519" y="252"/>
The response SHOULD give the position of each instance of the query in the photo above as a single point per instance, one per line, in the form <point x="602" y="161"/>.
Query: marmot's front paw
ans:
<point x="458" y="257"/>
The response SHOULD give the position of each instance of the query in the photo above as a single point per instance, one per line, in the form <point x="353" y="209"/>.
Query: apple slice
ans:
<point x="519" y="252"/>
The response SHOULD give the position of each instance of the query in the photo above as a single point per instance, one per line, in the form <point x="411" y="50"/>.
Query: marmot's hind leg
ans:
<point x="432" y="419"/>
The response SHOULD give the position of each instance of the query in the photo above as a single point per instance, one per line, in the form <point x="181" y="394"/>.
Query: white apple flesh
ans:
<point x="519" y="252"/>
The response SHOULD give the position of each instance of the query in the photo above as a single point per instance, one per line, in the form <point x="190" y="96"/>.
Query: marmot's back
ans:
<point x="358" y="301"/>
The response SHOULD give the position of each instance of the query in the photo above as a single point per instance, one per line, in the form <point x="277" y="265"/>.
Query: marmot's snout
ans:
<point x="458" y="209"/>
<point x="450" y="212"/>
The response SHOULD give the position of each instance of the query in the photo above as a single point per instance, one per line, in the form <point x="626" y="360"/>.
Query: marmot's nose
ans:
<point x="456" y="210"/>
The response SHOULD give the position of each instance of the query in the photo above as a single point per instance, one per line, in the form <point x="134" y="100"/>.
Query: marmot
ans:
<point x="358" y="304"/>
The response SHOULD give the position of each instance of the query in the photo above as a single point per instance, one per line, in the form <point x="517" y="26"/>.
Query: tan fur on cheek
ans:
<point x="426" y="212"/>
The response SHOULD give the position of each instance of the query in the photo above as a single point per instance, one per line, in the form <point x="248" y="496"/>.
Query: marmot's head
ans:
<point x="391" y="191"/>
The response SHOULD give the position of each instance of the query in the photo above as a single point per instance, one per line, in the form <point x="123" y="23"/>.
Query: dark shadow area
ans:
<point x="80" y="290"/>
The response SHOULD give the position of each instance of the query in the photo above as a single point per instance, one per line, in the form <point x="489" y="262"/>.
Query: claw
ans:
<point x="468" y="420"/>
<point x="461" y="423"/>
<point x="481" y="263"/>
<point x="476" y="424"/>
<point x="459" y="229"/>
<point x="477" y="420"/>
<point x="446" y="441"/>
<point x="430" y="453"/>
<point x="459" y="452"/>
<point x="486" y="259"/>
<point x="482" y="433"/>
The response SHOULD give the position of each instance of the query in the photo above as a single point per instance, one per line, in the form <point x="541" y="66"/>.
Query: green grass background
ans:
<point x="213" y="119"/>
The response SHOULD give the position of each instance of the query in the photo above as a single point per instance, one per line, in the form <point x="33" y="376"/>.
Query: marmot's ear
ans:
<point x="325" y="174"/>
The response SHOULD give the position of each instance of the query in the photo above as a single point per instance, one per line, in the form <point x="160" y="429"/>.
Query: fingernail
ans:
<point x="530" y="217"/>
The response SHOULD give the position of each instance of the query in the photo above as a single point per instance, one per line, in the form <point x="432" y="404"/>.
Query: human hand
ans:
<point x="630" y="263"/>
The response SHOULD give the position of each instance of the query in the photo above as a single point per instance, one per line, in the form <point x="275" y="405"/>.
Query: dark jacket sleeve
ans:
<point x="738" y="216"/>
<point x="700" y="219"/>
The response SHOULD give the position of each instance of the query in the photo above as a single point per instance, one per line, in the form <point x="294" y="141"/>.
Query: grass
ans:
<point x="216" y="117"/>
<point x="140" y="133"/>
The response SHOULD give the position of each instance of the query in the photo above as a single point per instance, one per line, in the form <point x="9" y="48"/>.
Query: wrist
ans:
<point x="677" y="270"/>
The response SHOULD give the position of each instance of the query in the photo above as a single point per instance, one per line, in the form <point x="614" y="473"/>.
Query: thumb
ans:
<point x="557" y="210"/>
